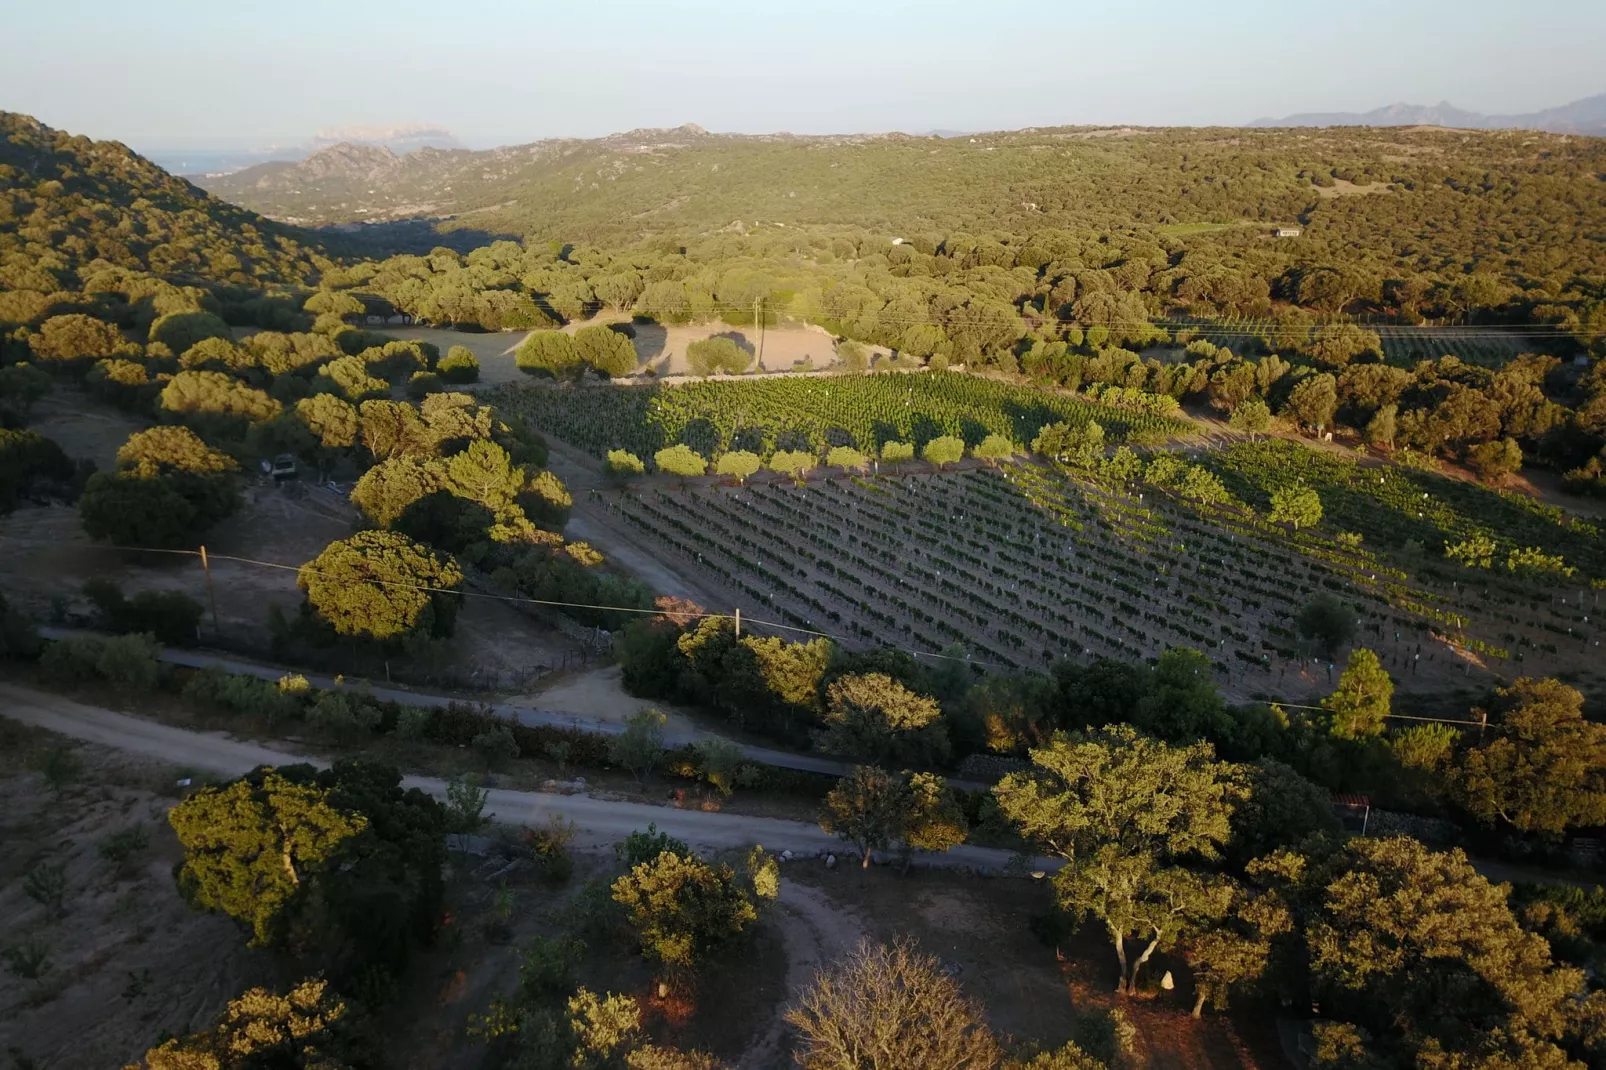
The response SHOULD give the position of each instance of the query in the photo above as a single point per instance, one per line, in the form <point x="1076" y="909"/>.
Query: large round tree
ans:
<point x="382" y="585"/>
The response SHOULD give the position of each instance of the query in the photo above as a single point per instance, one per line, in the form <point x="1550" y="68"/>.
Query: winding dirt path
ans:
<point x="816" y="931"/>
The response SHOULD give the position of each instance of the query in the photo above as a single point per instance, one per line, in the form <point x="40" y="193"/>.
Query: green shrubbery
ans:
<point x="171" y="616"/>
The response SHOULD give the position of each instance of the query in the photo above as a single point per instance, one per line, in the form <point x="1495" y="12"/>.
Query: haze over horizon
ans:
<point x="503" y="73"/>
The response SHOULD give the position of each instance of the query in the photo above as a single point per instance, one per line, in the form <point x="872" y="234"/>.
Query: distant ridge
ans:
<point x="1586" y="116"/>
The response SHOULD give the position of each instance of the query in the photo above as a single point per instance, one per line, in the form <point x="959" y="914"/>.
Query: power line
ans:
<point x="307" y="569"/>
<point x="1386" y="330"/>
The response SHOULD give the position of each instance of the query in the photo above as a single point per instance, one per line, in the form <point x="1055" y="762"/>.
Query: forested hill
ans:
<point x="67" y="202"/>
<point x="1408" y="194"/>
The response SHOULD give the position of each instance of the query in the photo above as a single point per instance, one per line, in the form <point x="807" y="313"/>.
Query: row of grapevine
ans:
<point x="796" y="413"/>
<point x="1026" y="565"/>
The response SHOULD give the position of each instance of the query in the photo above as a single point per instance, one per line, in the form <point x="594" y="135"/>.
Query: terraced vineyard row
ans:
<point x="865" y="411"/>
<point x="1024" y="566"/>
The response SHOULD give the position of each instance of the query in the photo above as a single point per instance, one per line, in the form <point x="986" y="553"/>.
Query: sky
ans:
<point x="166" y="73"/>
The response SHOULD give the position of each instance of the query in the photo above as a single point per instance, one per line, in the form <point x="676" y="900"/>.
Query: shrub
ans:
<point x="413" y="723"/>
<point x="343" y="717"/>
<point x="131" y="661"/>
<point x="548" y="353"/>
<point x="639" y="846"/>
<point x="59" y="766"/>
<point x="73" y="661"/>
<point x="496" y="745"/>
<point x="549" y="846"/>
<point x="459" y="366"/>
<point x="19" y="638"/>
<point x="420" y="384"/>
<point x="122" y="849"/>
<point x="171" y="616"/>
<point x="245" y="695"/>
<point x="713" y="355"/>
<point x="1107" y="1036"/>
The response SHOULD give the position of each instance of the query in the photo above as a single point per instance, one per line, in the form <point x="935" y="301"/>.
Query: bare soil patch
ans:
<point x="128" y="961"/>
<point x="81" y="426"/>
<point x="724" y="1012"/>
<point x="1344" y="188"/>
<point x="598" y="694"/>
<point x="254" y="557"/>
<point x="980" y="929"/>
<point x="788" y="347"/>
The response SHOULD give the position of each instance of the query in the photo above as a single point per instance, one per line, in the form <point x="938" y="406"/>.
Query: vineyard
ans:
<point x="1394" y="507"/>
<point x="1403" y="346"/>
<point x="1024" y="565"/>
<point x="815" y="413"/>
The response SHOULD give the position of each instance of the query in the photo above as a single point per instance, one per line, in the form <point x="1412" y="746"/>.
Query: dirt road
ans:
<point x="603" y="722"/>
<point x="600" y="822"/>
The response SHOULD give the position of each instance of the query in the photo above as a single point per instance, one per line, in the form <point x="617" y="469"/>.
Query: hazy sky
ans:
<point x="170" y="72"/>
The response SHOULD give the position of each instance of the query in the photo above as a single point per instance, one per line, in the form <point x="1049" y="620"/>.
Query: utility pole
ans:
<point x="758" y="320"/>
<point x="211" y="594"/>
<point x="738" y="622"/>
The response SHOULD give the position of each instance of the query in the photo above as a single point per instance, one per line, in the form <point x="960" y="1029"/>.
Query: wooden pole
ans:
<point x="211" y="595"/>
<point x="738" y="622"/>
<point x="758" y="320"/>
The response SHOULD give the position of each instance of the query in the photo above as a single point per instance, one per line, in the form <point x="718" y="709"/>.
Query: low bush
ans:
<point x="244" y="695"/>
<point x="130" y="661"/>
<point x="19" y="638"/>
<point x="344" y="717"/>
<point x="73" y="661"/>
<point x="171" y="616"/>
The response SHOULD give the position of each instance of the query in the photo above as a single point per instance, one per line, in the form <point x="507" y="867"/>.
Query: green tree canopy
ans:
<point x="1251" y="416"/>
<point x="170" y="486"/>
<point x="738" y="464"/>
<point x="1423" y="951"/>
<point x="340" y="867"/>
<point x="1544" y="769"/>
<point x="551" y="352"/>
<point x="872" y="717"/>
<point x="459" y="365"/>
<point x="216" y="394"/>
<point x="624" y="463"/>
<point x="1126" y="812"/>
<point x="679" y="460"/>
<point x="993" y="448"/>
<point x="1312" y="402"/>
<point x="1297" y="506"/>
<point x="944" y="450"/>
<point x="1327" y="622"/>
<point x="895" y="452"/>
<point x="78" y="337"/>
<point x="794" y="463"/>
<point x="607" y="350"/>
<point x="1359" y="706"/>
<point x="309" y="1027"/>
<point x="846" y="458"/>
<point x="683" y="910"/>
<point x="330" y="301"/>
<point x="165" y="450"/>
<point x="181" y="330"/>
<point x="383" y="586"/>
<point x="868" y="809"/>
<point x="332" y="420"/>
<point x="712" y="356"/>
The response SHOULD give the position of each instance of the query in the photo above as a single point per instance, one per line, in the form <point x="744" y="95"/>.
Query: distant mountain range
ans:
<point x="1587" y="116"/>
<point x="222" y="159"/>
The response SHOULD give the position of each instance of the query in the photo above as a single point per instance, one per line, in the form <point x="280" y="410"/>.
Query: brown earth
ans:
<point x="128" y="961"/>
<point x="1033" y="993"/>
